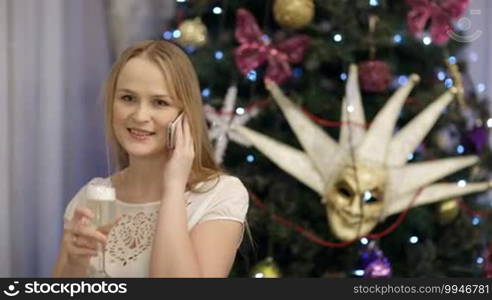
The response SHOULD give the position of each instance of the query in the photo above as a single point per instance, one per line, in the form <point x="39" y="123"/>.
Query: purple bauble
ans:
<point x="378" y="268"/>
<point x="374" y="263"/>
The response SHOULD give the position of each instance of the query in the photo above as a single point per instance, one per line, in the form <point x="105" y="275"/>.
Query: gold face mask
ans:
<point x="352" y="175"/>
<point x="354" y="202"/>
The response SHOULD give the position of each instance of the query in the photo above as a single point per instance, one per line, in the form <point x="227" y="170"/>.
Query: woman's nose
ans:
<point x="141" y="114"/>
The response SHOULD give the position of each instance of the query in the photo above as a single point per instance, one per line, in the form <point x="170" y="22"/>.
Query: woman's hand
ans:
<point x="80" y="239"/>
<point x="178" y="167"/>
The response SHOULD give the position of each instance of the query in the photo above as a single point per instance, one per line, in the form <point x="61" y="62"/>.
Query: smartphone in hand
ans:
<point x="171" y="132"/>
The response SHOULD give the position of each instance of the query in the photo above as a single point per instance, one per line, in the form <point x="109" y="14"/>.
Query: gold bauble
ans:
<point x="447" y="211"/>
<point x="266" y="268"/>
<point x="293" y="13"/>
<point x="193" y="33"/>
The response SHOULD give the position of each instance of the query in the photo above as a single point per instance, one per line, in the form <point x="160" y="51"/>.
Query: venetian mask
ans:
<point x="352" y="189"/>
<point x="354" y="202"/>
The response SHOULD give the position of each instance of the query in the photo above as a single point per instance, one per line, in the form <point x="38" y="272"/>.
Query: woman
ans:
<point x="165" y="195"/>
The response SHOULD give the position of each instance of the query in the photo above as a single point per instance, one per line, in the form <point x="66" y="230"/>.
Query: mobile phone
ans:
<point x="171" y="132"/>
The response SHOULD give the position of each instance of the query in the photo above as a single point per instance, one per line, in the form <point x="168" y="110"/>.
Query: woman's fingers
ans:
<point x="81" y="239"/>
<point x="82" y="242"/>
<point x="188" y="138"/>
<point x="184" y="140"/>
<point x="82" y="212"/>
<point x="81" y="251"/>
<point x="80" y="215"/>
<point x="87" y="232"/>
<point x="186" y="131"/>
<point x="77" y="245"/>
<point x="83" y="236"/>
<point x="91" y="233"/>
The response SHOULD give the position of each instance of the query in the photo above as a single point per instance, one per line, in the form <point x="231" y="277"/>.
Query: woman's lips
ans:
<point x="139" y="134"/>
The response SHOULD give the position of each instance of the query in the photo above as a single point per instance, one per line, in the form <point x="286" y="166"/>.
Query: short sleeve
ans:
<point x="76" y="201"/>
<point x="231" y="201"/>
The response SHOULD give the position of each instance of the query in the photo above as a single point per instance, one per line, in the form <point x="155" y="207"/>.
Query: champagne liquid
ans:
<point x="104" y="212"/>
<point x="100" y="200"/>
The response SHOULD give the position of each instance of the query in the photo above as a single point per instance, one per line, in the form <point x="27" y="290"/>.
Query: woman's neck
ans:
<point x="141" y="181"/>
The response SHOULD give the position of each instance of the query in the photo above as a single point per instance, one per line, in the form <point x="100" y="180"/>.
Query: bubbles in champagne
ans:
<point x="100" y="192"/>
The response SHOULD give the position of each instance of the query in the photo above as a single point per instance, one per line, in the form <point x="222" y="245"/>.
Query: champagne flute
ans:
<point x="100" y="200"/>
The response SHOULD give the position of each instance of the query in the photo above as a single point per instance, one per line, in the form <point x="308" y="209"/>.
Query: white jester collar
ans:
<point x="364" y="177"/>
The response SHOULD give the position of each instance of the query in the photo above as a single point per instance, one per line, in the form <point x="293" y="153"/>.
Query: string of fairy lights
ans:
<point x="398" y="38"/>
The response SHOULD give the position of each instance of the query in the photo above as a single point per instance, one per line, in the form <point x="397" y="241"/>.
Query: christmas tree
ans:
<point x="313" y="54"/>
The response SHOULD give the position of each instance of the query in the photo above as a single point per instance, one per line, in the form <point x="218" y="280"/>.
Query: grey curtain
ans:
<point x="135" y="20"/>
<point x="54" y="57"/>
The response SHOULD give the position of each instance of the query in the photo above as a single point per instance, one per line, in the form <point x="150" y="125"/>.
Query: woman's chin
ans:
<point x="142" y="152"/>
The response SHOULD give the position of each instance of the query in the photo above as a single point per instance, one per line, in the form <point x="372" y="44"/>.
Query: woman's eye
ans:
<point x="160" y="102"/>
<point x="127" y="98"/>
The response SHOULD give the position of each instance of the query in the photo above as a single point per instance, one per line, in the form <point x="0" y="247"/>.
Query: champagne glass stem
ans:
<point x="104" y="261"/>
<point x="100" y="258"/>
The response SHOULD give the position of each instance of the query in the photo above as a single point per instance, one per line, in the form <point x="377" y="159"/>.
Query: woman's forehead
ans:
<point x="139" y="73"/>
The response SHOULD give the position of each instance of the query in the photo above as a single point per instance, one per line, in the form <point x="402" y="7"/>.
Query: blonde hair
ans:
<point x="182" y="81"/>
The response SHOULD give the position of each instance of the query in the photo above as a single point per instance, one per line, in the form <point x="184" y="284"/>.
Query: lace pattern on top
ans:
<point x="133" y="234"/>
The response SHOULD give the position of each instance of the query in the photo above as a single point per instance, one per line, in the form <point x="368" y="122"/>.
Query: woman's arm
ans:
<point x="208" y="251"/>
<point x="78" y="245"/>
<point x="173" y="254"/>
<point x="63" y="269"/>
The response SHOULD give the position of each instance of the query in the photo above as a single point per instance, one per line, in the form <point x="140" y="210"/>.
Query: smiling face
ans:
<point x="148" y="85"/>
<point x="355" y="201"/>
<point x="142" y="108"/>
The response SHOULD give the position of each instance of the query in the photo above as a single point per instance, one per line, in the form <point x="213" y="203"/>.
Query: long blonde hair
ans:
<point x="182" y="81"/>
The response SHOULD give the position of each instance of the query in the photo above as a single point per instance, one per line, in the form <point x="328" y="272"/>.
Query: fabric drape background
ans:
<point x="54" y="57"/>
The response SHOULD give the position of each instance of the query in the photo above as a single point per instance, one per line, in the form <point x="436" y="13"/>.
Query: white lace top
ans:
<point x="130" y="241"/>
